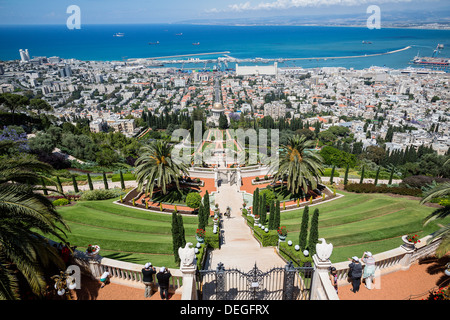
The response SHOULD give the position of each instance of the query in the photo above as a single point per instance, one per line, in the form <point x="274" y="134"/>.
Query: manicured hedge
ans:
<point x="371" y="188"/>
<point x="211" y="239"/>
<point x="267" y="239"/>
<point x="290" y="254"/>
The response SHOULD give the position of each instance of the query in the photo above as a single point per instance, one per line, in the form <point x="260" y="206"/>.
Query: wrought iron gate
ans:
<point x="288" y="283"/>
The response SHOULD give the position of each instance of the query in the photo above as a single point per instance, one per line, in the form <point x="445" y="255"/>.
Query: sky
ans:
<point x="173" y="11"/>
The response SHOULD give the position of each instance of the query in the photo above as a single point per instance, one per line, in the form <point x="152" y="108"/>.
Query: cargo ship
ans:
<point x="432" y="62"/>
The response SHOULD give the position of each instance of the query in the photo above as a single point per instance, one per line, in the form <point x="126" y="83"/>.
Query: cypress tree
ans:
<point x="255" y="210"/>
<point x="175" y="237"/>
<point x="75" y="184"/>
<point x="263" y="209"/>
<point x="91" y="186"/>
<point x="202" y="221"/>
<point x="59" y="185"/>
<point x="122" y="181"/>
<point x="362" y="175"/>
<point x="332" y="175"/>
<point x="272" y="215"/>
<point x="314" y="233"/>
<point x="346" y="175"/>
<point x="207" y="205"/>
<point x="277" y="215"/>
<point x="376" y="176"/>
<point x="391" y="176"/>
<point x="181" y="230"/>
<point x="105" y="181"/>
<point x="44" y="187"/>
<point x="304" y="229"/>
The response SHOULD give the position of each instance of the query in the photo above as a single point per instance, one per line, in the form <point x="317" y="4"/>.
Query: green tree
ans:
<point x="314" y="233"/>
<point x="303" y="236"/>
<point x="13" y="102"/>
<point x="362" y="175"/>
<point x="122" y="181"/>
<point x="75" y="184"/>
<point x="376" y="176"/>
<point x="255" y="202"/>
<point x="346" y="176"/>
<point x="181" y="231"/>
<point x="277" y="219"/>
<point x="193" y="200"/>
<point x="105" y="181"/>
<point x="332" y="175"/>
<point x="26" y="216"/>
<point x="441" y="191"/>
<point x="223" y="122"/>
<point x="299" y="164"/>
<point x="91" y="186"/>
<point x="207" y="204"/>
<point x="272" y="215"/>
<point x="59" y="185"/>
<point x="176" y="237"/>
<point x="155" y="167"/>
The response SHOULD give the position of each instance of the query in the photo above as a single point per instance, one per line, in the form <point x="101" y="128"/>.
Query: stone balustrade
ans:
<point x="400" y="258"/>
<point x="125" y="273"/>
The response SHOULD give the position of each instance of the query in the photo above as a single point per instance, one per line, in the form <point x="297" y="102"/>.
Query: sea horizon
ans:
<point x="96" y="42"/>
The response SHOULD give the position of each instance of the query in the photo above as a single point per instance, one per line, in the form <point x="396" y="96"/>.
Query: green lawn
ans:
<point x="124" y="233"/>
<point x="363" y="222"/>
<point x="354" y="223"/>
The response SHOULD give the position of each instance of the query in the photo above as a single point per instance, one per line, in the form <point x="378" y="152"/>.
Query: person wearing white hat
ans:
<point x="163" y="277"/>
<point x="147" y="278"/>
<point x="369" y="269"/>
<point x="355" y="273"/>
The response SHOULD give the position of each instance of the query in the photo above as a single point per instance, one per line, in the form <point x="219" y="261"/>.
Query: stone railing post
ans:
<point x="188" y="268"/>
<point x="321" y="287"/>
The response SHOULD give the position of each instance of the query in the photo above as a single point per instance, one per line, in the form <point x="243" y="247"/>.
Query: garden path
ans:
<point x="239" y="249"/>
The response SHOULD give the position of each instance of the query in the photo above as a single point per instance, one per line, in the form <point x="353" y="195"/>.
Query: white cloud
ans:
<point x="287" y="4"/>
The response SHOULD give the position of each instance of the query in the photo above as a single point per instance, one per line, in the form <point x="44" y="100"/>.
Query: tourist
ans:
<point x="104" y="279"/>
<point x="65" y="253"/>
<point x="355" y="273"/>
<point x="333" y="278"/>
<point x="369" y="269"/>
<point x="148" y="271"/>
<point x="163" y="277"/>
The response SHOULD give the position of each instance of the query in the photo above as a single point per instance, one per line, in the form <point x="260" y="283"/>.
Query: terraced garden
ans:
<point x="354" y="223"/>
<point x="363" y="222"/>
<point x="124" y="233"/>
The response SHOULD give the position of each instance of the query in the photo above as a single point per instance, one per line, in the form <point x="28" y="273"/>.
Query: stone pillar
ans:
<point x="321" y="268"/>
<point x="189" y="289"/>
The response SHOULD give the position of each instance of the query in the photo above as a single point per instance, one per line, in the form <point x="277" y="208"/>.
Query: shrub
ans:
<point x="61" y="202"/>
<point x="371" y="188"/>
<point x="421" y="181"/>
<point x="290" y="254"/>
<point x="267" y="239"/>
<point x="193" y="200"/>
<point x="101" y="194"/>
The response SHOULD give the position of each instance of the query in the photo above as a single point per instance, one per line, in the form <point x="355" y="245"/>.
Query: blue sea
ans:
<point x="97" y="42"/>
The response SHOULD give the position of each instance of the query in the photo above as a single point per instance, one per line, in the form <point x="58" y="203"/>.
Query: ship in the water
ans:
<point x="196" y="44"/>
<point x="119" y="34"/>
<point x="432" y="62"/>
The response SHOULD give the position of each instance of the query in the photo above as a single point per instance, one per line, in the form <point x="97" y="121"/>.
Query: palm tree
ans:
<point x="26" y="215"/>
<point x="299" y="164"/>
<point x="440" y="191"/>
<point x="155" y="167"/>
